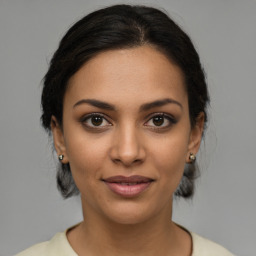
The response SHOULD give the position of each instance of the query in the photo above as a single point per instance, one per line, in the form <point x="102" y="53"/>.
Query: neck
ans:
<point x="101" y="236"/>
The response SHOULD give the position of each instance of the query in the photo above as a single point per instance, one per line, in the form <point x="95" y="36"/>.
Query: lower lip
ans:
<point x="128" y="190"/>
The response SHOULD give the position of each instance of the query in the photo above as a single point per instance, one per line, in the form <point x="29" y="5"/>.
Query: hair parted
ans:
<point x="122" y="27"/>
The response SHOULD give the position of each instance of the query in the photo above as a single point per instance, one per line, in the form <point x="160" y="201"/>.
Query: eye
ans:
<point x="95" y="120"/>
<point x="160" y="120"/>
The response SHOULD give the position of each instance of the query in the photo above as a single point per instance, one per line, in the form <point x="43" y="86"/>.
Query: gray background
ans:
<point x="224" y="207"/>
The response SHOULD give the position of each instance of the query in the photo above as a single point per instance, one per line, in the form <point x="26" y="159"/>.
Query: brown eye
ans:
<point x="97" y="120"/>
<point x="158" y="120"/>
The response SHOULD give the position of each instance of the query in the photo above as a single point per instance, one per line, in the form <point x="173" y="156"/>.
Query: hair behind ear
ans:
<point x="186" y="187"/>
<point x="65" y="181"/>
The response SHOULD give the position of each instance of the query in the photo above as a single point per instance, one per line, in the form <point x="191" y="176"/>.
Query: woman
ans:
<point x="125" y="100"/>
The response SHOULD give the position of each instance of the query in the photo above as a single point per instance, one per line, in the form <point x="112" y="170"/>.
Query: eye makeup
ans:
<point x="100" y="122"/>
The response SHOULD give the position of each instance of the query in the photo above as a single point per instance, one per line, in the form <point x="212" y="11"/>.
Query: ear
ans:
<point x="58" y="139"/>
<point x="196" y="135"/>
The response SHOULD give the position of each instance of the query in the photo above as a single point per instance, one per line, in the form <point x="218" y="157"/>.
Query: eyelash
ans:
<point x="87" y="118"/>
<point x="171" y="120"/>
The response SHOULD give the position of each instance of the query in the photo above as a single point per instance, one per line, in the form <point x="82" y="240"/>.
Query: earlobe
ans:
<point x="196" y="135"/>
<point x="58" y="140"/>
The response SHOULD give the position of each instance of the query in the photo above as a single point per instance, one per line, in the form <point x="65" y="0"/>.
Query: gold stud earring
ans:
<point x="61" y="157"/>
<point x="192" y="157"/>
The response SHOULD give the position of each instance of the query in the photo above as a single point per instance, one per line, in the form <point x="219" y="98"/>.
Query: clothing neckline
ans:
<point x="70" y="248"/>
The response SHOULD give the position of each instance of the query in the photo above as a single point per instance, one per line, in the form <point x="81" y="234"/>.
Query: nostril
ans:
<point x="127" y="150"/>
<point x="128" y="162"/>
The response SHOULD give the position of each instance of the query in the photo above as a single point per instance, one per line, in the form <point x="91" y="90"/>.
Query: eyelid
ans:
<point x="88" y="116"/>
<point x="170" y="118"/>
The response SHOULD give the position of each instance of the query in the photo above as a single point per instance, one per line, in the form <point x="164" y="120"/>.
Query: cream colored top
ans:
<point x="59" y="246"/>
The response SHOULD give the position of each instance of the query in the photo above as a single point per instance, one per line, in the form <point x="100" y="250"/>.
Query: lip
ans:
<point x="128" y="187"/>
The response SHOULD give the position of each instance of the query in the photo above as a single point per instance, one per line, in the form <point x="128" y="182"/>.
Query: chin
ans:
<point x="129" y="214"/>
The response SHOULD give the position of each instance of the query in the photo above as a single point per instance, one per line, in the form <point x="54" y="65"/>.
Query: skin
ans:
<point x="128" y="141"/>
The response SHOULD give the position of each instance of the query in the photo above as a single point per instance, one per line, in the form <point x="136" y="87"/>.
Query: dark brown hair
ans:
<point x="117" y="27"/>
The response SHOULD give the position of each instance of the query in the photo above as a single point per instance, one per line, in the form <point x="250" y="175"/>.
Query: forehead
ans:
<point x="142" y="73"/>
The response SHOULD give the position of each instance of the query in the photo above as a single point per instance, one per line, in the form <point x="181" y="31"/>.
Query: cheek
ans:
<point x="86" y="155"/>
<point x="169" y="159"/>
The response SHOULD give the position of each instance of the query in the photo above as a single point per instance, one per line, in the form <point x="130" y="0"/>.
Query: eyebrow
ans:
<point x="144" y="107"/>
<point x="159" y="103"/>
<point x="95" y="103"/>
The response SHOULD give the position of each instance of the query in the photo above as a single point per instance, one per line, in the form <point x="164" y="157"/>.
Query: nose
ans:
<point x="127" y="147"/>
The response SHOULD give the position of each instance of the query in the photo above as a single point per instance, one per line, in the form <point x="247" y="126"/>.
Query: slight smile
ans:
<point x="128" y="187"/>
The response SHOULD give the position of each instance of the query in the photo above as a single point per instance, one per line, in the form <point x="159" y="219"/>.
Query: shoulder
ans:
<point x="58" y="245"/>
<point x="38" y="249"/>
<point x="205" y="247"/>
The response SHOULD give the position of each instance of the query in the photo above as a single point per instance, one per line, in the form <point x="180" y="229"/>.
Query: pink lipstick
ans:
<point x="128" y="186"/>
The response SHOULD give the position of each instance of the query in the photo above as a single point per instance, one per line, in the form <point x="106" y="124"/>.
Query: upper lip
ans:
<point x="130" y="179"/>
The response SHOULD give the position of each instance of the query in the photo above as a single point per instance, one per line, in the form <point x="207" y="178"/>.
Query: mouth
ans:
<point x="128" y="187"/>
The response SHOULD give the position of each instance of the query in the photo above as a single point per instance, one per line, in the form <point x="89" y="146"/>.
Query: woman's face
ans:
<point x="126" y="134"/>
